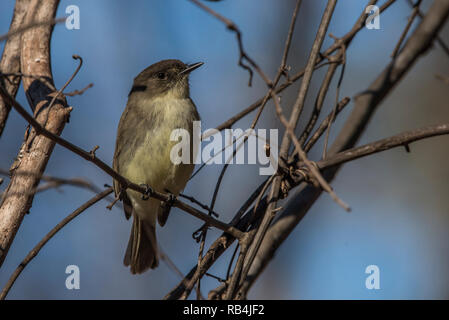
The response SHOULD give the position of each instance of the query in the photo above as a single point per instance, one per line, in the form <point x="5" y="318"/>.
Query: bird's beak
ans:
<point x="191" y="67"/>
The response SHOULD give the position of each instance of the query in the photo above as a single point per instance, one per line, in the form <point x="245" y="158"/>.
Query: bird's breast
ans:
<point x="151" y="163"/>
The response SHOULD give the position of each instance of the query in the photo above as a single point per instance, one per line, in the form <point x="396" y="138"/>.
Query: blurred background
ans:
<point x="400" y="200"/>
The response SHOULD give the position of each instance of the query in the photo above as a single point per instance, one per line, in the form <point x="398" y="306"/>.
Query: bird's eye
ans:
<point x="162" y="75"/>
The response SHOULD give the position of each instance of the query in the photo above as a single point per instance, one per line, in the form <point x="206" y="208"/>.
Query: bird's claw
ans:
<point x="148" y="191"/>
<point x="171" y="199"/>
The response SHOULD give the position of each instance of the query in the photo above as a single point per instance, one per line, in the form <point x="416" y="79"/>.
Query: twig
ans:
<point x="407" y="28"/>
<point x="193" y="200"/>
<point x="319" y="101"/>
<point x="325" y="123"/>
<point x="78" y="92"/>
<point x="337" y="95"/>
<point x="271" y="87"/>
<point x="170" y="264"/>
<point x="59" y="92"/>
<point x="217" y="248"/>
<point x="402" y="139"/>
<point x="34" y="252"/>
<point x="243" y="55"/>
<point x="302" y="155"/>
<point x="31" y="26"/>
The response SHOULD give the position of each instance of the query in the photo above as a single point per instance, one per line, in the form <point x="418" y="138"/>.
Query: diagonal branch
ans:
<point x="35" y="251"/>
<point x="243" y="55"/>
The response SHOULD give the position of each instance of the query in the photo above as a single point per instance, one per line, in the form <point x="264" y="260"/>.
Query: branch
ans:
<point x="54" y="182"/>
<point x="10" y="62"/>
<point x="32" y="25"/>
<point x="365" y="105"/>
<point x="400" y="140"/>
<point x="35" y="251"/>
<point x="125" y="183"/>
<point x="243" y="55"/>
<point x="325" y="123"/>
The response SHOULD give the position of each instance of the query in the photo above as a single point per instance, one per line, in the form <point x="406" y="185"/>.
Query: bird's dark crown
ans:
<point x="170" y="66"/>
<point x="160" y="77"/>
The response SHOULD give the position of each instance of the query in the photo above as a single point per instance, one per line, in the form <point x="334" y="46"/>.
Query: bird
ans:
<point x="158" y="103"/>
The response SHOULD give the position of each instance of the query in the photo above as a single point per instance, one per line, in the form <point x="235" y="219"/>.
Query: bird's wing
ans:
<point x="121" y="145"/>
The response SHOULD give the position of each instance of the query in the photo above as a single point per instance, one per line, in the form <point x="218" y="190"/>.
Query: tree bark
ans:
<point x="10" y="62"/>
<point x="36" y="150"/>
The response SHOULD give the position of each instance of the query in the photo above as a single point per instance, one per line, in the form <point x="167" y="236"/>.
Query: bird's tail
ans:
<point x="141" y="253"/>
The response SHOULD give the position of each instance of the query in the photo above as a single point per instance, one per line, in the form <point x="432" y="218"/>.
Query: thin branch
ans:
<point x="32" y="25"/>
<point x="193" y="200"/>
<point x="399" y="140"/>
<point x="412" y="17"/>
<point x="35" y="251"/>
<point x="59" y="92"/>
<point x="78" y="92"/>
<point x="243" y="55"/>
<point x="337" y="95"/>
<point x="302" y="155"/>
<point x="319" y="101"/>
<point x="325" y="123"/>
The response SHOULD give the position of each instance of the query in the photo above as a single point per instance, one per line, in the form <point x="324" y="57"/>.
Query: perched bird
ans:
<point x="158" y="103"/>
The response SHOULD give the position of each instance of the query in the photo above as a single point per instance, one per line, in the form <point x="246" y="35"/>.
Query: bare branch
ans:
<point x="35" y="251"/>
<point x="412" y="17"/>
<point x="365" y="105"/>
<point x="243" y="55"/>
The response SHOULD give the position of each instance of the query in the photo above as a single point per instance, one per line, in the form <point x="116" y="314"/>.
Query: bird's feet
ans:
<point x="148" y="191"/>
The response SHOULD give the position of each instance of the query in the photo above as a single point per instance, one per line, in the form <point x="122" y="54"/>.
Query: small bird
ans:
<point x="158" y="103"/>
